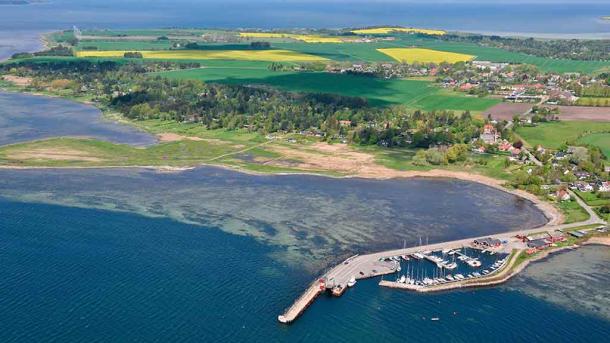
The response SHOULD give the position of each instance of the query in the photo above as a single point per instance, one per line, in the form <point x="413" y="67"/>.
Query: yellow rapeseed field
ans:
<point x="246" y="55"/>
<point x="304" y="38"/>
<point x="386" y="30"/>
<point x="411" y="55"/>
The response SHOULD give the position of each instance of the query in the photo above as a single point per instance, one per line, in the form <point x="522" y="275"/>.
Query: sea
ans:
<point x="21" y="25"/>
<point x="214" y="255"/>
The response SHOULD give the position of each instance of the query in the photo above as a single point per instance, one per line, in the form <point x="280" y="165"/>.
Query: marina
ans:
<point x="473" y="262"/>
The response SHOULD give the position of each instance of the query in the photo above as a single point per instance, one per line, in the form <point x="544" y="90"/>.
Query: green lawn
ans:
<point x="553" y="135"/>
<point x="592" y="199"/>
<point x="573" y="212"/>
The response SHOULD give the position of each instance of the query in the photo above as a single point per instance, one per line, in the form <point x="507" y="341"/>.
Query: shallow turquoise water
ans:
<point x="72" y="274"/>
<point x="314" y="219"/>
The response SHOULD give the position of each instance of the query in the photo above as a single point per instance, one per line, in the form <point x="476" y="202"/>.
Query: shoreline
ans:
<point x="552" y="214"/>
<point x="375" y="171"/>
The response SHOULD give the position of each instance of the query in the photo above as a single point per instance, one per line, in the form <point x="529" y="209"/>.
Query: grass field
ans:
<point x="379" y="92"/>
<point x="590" y="101"/>
<point x="413" y="55"/>
<point x="601" y="140"/>
<point x="304" y="38"/>
<point x="386" y="30"/>
<point x="125" y="45"/>
<point x="327" y="47"/>
<point x="483" y="53"/>
<point x="553" y="135"/>
<point x="247" y="55"/>
<point x="573" y="212"/>
<point x="145" y="32"/>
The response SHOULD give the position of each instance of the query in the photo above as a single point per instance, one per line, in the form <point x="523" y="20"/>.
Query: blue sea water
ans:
<point x="104" y="273"/>
<point x="20" y="26"/>
<point x="72" y="274"/>
<point x="25" y="117"/>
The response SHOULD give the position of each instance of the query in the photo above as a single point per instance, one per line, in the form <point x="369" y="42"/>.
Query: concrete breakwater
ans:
<point x="513" y="244"/>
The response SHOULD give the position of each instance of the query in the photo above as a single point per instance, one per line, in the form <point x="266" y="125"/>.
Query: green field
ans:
<point x="125" y="45"/>
<point x="367" y="52"/>
<point x="553" y="135"/>
<point x="601" y="140"/>
<point x="591" y="101"/>
<point x="380" y="92"/>
<point x="573" y="212"/>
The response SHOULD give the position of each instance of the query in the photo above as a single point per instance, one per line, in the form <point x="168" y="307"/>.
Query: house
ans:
<point x="577" y="234"/>
<point x="505" y="146"/>
<point x="556" y="236"/>
<point x="584" y="187"/>
<point x="538" y="244"/>
<point x="604" y="187"/>
<point x="582" y="175"/>
<point x="490" y="134"/>
<point x="560" y="155"/>
<point x="466" y="86"/>
<point x="488" y="242"/>
<point x="562" y="195"/>
<point x="345" y="122"/>
<point x="536" y="237"/>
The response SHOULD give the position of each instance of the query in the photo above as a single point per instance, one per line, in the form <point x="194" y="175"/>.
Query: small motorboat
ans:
<point x="351" y="282"/>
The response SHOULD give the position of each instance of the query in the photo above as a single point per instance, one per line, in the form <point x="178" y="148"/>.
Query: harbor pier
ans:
<point x="345" y="274"/>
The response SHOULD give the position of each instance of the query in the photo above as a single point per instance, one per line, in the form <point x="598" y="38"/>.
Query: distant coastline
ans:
<point x="15" y="2"/>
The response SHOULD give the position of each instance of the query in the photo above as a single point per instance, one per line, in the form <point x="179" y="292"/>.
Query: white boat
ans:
<point x="351" y="282"/>
<point x="405" y="257"/>
<point x="450" y="278"/>
<point x="418" y="255"/>
<point x="445" y="251"/>
<point x="459" y="276"/>
<point x="402" y="279"/>
<point x="451" y="265"/>
<point x="474" y="263"/>
<point x="485" y="272"/>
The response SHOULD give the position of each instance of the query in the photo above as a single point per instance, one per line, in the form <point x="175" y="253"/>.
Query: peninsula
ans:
<point x="528" y="117"/>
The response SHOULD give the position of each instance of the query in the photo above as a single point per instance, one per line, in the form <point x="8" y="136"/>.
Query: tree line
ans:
<point x="128" y="88"/>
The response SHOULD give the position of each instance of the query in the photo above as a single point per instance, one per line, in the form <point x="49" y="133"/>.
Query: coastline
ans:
<point x="553" y="215"/>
